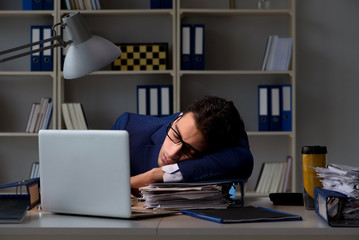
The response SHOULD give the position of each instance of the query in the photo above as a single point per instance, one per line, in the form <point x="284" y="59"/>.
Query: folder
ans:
<point x="286" y="109"/>
<point x="274" y="108"/>
<point x="36" y="57"/>
<point x="186" y="47"/>
<point x="142" y="100"/>
<point x="331" y="206"/>
<point x="263" y="119"/>
<point x="47" y="55"/>
<point x="155" y="4"/>
<point x="26" y="189"/>
<point x="33" y="4"/>
<point x="198" y="47"/>
<point x="165" y="100"/>
<point x="26" y="5"/>
<point x="48" y="5"/>
<point x="242" y="215"/>
<point x="166" y="4"/>
<point x="153" y="101"/>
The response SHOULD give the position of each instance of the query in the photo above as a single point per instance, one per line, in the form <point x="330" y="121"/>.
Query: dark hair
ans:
<point x="218" y="120"/>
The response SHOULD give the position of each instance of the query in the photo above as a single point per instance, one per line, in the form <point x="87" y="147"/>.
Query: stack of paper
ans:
<point x="175" y="196"/>
<point x="340" y="178"/>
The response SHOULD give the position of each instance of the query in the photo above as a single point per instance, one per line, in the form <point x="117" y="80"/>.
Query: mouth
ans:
<point x="164" y="159"/>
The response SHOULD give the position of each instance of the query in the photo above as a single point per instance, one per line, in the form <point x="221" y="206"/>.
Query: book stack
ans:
<point x="337" y="202"/>
<point x="278" y="54"/>
<point x="83" y="4"/>
<point x="176" y="196"/>
<point x="74" y="116"/>
<point x="274" y="176"/>
<point x="40" y="115"/>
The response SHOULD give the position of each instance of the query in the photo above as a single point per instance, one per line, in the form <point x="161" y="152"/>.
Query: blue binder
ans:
<point x="329" y="205"/>
<point x="142" y="99"/>
<point x="274" y="108"/>
<point x="155" y="4"/>
<point x="47" y="55"/>
<point x="36" y="33"/>
<point x="165" y="100"/>
<point x="198" y="47"/>
<point x="154" y="101"/>
<point x="263" y="111"/>
<point x="166" y="4"/>
<point x="32" y="5"/>
<point x="48" y="5"/>
<point x="286" y="107"/>
<point x="26" y="5"/>
<point x="186" y="47"/>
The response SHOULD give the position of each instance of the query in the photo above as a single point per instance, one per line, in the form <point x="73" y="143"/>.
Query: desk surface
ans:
<point x="42" y="225"/>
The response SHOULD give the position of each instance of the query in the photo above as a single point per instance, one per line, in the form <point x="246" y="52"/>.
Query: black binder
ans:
<point x="242" y="215"/>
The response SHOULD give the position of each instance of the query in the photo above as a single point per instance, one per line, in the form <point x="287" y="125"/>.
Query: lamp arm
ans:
<point x="60" y="43"/>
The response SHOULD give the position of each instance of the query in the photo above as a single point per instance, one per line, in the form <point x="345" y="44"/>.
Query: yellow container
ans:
<point x="312" y="156"/>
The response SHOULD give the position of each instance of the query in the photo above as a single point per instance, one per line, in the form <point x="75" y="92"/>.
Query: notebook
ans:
<point x="87" y="172"/>
<point x="242" y="215"/>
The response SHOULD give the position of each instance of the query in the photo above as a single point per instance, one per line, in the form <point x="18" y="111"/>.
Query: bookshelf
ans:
<point x="235" y="39"/>
<point x="19" y="88"/>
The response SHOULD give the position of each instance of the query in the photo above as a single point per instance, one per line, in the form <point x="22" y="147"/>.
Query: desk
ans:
<point x="41" y="226"/>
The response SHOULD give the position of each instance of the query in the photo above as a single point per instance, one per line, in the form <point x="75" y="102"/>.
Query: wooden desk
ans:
<point x="39" y="226"/>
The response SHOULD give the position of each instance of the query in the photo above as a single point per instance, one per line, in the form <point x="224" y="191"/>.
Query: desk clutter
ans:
<point x="176" y="196"/>
<point x="14" y="205"/>
<point x="337" y="202"/>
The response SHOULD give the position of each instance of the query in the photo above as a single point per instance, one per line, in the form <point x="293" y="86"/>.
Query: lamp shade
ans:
<point x="87" y="52"/>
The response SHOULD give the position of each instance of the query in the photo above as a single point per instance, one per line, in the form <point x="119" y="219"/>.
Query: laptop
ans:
<point x="87" y="172"/>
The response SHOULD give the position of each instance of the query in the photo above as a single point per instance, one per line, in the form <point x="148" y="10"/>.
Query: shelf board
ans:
<point x="109" y="12"/>
<point x="26" y="73"/>
<point x="278" y="133"/>
<point x="18" y="134"/>
<point x="21" y="13"/>
<point x="114" y="72"/>
<point x="239" y="12"/>
<point x="234" y="72"/>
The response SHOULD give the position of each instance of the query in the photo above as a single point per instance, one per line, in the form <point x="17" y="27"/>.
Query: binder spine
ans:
<point x="274" y="108"/>
<point x="47" y="55"/>
<point x="186" y="47"/>
<point x="286" y="110"/>
<point x="36" y="33"/>
<point x="263" y="121"/>
<point x="198" y="47"/>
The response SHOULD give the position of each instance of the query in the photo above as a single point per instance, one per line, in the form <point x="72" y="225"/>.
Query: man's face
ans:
<point x="183" y="141"/>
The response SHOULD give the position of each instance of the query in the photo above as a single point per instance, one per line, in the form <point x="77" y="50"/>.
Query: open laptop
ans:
<point x="87" y="172"/>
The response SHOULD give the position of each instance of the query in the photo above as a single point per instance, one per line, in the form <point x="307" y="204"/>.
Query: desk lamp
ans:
<point x="87" y="52"/>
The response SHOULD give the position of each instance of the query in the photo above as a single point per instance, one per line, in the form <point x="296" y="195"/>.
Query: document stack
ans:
<point x="338" y="201"/>
<point x="176" y="196"/>
<point x="340" y="178"/>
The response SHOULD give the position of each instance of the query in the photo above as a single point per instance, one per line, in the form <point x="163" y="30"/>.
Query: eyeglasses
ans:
<point x="176" y="138"/>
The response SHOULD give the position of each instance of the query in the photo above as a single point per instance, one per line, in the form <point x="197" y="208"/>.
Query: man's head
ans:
<point x="209" y="124"/>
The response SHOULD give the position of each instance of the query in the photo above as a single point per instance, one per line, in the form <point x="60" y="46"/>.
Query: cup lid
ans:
<point x="314" y="150"/>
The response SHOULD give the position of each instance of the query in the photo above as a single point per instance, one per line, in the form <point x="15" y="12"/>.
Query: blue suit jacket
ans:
<point x="147" y="134"/>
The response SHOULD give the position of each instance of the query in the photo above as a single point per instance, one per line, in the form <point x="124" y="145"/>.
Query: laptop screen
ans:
<point x="85" y="172"/>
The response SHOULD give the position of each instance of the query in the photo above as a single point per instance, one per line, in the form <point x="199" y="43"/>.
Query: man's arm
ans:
<point x="146" y="178"/>
<point x="235" y="162"/>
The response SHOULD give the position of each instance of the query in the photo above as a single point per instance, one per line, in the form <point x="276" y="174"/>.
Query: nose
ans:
<point x="175" y="152"/>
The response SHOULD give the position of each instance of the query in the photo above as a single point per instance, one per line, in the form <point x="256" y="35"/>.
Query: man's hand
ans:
<point x="151" y="176"/>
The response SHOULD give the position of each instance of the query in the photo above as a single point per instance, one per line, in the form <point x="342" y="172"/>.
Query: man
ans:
<point x="208" y="141"/>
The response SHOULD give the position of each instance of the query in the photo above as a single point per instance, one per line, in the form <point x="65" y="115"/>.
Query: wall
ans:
<point x="328" y="78"/>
